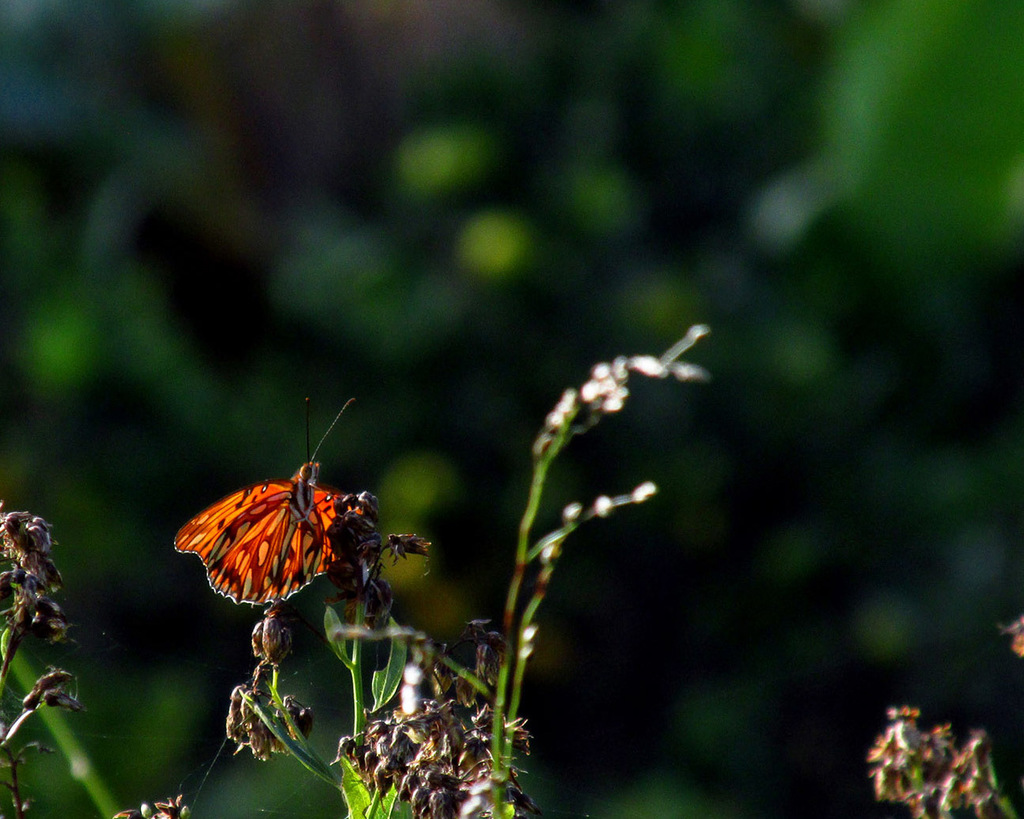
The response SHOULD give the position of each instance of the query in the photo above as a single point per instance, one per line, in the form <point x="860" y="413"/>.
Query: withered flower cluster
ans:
<point x="26" y="542"/>
<point x="490" y="648"/>
<point x="50" y="690"/>
<point x="245" y="727"/>
<point x="32" y="577"/>
<point x="928" y="773"/>
<point x="438" y="762"/>
<point x="25" y="589"/>
<point x="357" y="550"/>
<point x="172" y="809"/>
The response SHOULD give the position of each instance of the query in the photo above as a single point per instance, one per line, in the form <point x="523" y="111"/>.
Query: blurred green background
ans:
<point x="210" y="210"/>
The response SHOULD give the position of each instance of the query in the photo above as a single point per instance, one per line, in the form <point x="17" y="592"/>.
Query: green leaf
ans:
<point x="385" y="681"/>
<point x="300" y="749"/>
<point x="332" y="627"/>
<point x="387" y="804"/>
<point x="357" y="797"/>
<point x="401" y="810"/>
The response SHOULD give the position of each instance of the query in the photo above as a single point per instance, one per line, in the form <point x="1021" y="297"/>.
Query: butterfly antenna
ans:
<point x="308" y="458"/>
<point x="336" y="417"/>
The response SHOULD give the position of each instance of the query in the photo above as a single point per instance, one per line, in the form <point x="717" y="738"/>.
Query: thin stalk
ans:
<point x="374" y="803"/>
<point x="542" y="462"/>
<point x="78" y="761"/>
<point x="519" y="668"/>
<point x="500" y="749"/>
<point x="356" y="668"/>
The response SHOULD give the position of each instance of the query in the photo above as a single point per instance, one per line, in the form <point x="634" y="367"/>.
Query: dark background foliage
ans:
<point x="450" y="210"/>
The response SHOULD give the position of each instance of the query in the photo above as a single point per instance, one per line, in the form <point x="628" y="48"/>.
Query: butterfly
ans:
<point x="265" y="541"/>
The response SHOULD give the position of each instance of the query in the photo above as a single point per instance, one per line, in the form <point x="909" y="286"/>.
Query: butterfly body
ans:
<point x="265" y="541"/>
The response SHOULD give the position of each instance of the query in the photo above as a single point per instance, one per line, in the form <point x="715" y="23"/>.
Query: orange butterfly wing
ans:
<point x="257" y="544"/>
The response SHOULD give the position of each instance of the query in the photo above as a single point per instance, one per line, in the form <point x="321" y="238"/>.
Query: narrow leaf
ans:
<point x="385" y="681"/>
<point x="387" y="804"/>
<point x="301" y="750"/>
<point x="332" y="628"/>
<point x="357" y="797"/>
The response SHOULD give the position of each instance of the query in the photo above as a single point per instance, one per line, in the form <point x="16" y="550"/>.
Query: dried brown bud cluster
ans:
<point x="437" y="762"/>
<point x="27" y="543"/>
<point x="173" y="809"/>
<point x="357" y="551"/>
<point x="49" y="690"/>
<point x="490" y="648"/>
<point x="929" y="774"/>
<point x="245" y="727"/>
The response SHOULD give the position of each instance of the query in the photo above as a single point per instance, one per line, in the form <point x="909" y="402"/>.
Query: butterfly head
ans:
<point x="309" y="472"/>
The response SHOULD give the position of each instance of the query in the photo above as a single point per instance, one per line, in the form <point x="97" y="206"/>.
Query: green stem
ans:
<point x="374" y="804"/>
<point x="519" y="667"/>
<point x="500" y="749"/>
<point x="356" y="667"/>
<point x="56" y="723"/>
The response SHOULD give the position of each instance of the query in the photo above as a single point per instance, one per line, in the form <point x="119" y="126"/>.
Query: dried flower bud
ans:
<point x="489" y="653"/>
<point x="7" y="582"/>
<point x="38" y="532"/>
<point x="465" y="693"/>
<point x="476" y="750"/>
<point x="51" y="682"/>
<point x="520" y="736"/>
<point x="174" y="809"/>
<point x="272" y="637"/>
<point x="301" y="715"/>
<point x="441" y="679"/>
<point x="244" y="727"/>
<point x="48" y="622"/>
<point x="237" y="717"/>
<point x="60" y="699"/>
<point x="443" y="804"/>
<point x="346" y="749"/>
<point x="402" y="545"/>
<point x="262" y="742"/>
<point x="420" y="801"/>
<point x="521" y="800"/>
<point x="379" y="599"/>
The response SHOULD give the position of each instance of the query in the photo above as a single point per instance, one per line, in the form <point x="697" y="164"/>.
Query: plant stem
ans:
<point x="78" y="761"/>
<point x="500" y="743"/>
<point x="356" y="668"/>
